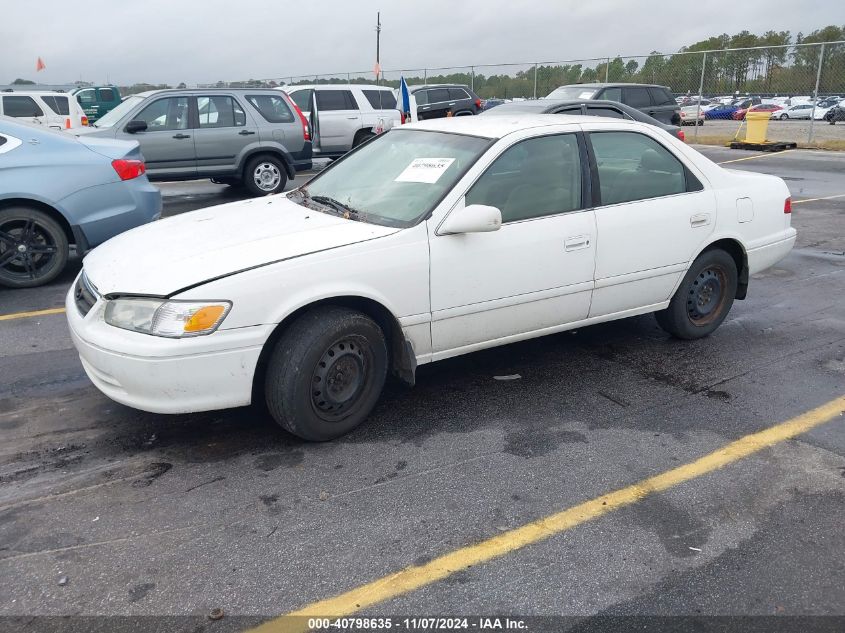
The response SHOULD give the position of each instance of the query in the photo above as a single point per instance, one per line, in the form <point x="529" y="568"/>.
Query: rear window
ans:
<point x="107" y="94"/>
<point x="59" y="105"/>
<point x="380" y="99"/>
<point x="20" y="106"/>
<point x="273" y="108"/>
<point x="661" y="96"/>
<point x="335" y="100"/>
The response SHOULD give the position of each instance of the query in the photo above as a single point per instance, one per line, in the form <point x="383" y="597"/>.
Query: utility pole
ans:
<point x="378" y="45"/>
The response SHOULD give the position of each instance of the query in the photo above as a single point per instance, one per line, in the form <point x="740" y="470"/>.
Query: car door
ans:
<point x="536" y="272"/>
<point x="653" y="216"/>
<point x="224" y="130"/>
<point x="663" y="106"/>
<point x="87" y="98"/>
<point x="340" y="119"/>
<point x="168" y="142"/>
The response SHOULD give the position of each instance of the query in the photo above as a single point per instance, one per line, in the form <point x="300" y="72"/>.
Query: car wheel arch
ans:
<point x="267" y="151"/>
<point x="402" y="361"/>
<point x="50" y="210"/>
<point x="736" y="250"/>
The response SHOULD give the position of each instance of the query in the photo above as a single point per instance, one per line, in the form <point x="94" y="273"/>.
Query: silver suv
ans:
<point x="257" y="138"/>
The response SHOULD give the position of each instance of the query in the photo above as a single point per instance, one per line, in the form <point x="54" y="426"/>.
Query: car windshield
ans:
<point x="572" y="93"/>
<point x="394" y="180"/>
<point x="113" y="116"/>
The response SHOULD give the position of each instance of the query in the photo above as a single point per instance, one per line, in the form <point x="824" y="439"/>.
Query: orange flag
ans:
<point x="40" y="65"/>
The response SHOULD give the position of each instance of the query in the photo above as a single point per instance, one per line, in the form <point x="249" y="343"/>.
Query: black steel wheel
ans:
<point x="704" y="297"/>
<point x="326" y="373"/>
<point x="33" y="247"/>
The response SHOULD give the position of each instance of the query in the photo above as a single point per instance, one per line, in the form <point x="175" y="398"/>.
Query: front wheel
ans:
<point x="326" y="373"/>
<point x="784" y="117"/>
<point x="265" y="175"/>
<point x="33" y="248"/>
<point x="704" y="297"/>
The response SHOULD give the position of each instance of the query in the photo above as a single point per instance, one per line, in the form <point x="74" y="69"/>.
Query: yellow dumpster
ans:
<point x="756" y="126"/>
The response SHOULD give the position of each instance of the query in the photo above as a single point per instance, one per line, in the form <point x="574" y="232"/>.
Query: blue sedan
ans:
<point x="57" y="190"/>
<point x="721" y="112"/>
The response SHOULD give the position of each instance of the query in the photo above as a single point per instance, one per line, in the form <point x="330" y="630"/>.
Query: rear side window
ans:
<point x="272" y="108"/>
<point x="302" y="99"/>
<point x="606" y="112"/>
<point x="421" y="97"/>
<point x="335" y="100"/>
<point x="20" y="106"/>
<point x="59" y="105"/>
<point x="661" y="97"/>
<point x="636" y="97"/>
<point x="220" y="111"/>
<point x="107" y="94"/>
<point x="380" y="99"/>
<point x="612" y="94"/>
<point x="570" y="110"/>
<point x="457" y="93"/>
<point x="438" y="95"/>
<point x="634" y="166"/>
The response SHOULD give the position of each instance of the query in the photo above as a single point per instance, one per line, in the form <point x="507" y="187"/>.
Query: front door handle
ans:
<point x="699" y="219"/>
<point x="577" y="243"/>
<point x="246" y="132"/>
<point x="181" y="136"/>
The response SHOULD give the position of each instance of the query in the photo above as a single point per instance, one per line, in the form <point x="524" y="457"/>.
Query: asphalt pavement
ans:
<point x="105" y="510"/>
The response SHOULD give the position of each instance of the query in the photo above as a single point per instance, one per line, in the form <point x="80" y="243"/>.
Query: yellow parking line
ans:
<point x="26" y="315"/>
<point x="418" y="576"/>
<point x="838" y="195"/>
<point x="736" y="160"/>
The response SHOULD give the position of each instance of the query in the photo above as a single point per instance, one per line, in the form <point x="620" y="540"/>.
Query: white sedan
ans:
<point x="433" y="240"/>
<point x="800" y="111"/>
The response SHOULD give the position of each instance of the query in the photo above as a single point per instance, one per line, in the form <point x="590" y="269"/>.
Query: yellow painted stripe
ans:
<point x="27" y="315"/>
<point x="736" y="160"/>
<point x="414" y="577"/>
<point x="839" y="195"/>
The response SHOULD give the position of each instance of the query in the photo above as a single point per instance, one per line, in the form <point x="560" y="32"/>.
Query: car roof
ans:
<point x="28" y="93"/>
<point x="614" y="83"/>
<point x="413" y="88"/>
<point x="335" y="87"/>
<point x="199" y="91"/>
<point x="497" y="126"/>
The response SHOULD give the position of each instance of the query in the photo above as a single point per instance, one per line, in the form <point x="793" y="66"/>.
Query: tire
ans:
<point x="326" y="373"/>
<point x="784" y="117"/>
<point x="704" y="297"/>
<point x="33" y="248"/>
<point x="361" y="137"/>
<point x="265" y="175"/>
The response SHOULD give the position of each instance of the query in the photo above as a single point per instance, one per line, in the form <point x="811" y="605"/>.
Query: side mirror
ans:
<point x="136" y="126"/>
<point x="475" y="218"/>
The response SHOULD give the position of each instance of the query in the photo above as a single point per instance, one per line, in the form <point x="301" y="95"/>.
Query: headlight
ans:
<point x="172" y="319"/>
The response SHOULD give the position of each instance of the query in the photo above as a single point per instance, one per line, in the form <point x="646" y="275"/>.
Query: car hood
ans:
<point x="164" y="257"/>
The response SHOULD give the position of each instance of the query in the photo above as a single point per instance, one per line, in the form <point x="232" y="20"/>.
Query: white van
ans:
<point x="57" y="110"/>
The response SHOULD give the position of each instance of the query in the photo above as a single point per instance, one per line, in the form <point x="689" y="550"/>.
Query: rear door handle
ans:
<point x="246" y="132"/>
<point x="699" y="219"/>
<point x="577" y="243"/>
<point x="181" y="136"/>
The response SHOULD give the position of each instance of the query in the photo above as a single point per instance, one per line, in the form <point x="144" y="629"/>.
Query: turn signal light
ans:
<point x="204" y="318"/>
<point x="787" y="205"/>
<point x="129" y="168"/>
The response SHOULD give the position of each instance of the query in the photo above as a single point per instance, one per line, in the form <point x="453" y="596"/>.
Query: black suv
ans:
<point x="436" y="101"/>
<point x="655" y="101"/>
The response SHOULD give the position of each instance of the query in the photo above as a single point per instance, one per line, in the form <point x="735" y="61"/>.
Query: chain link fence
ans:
<point x="802" y="86"/>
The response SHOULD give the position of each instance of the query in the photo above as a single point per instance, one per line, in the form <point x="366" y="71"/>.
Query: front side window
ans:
<point x="20" y="106"/>
<point x="220" y="111"/>
<point x="328" y="100"/>
<point x="634" y="166"/>
<point x="273" y="108"/>
<point x="421" y="97"/>
<point x="165" y="114"/>
<point x="536" y="177"/>
<point x="396" y="179"/>
<point x="302" y="99"/>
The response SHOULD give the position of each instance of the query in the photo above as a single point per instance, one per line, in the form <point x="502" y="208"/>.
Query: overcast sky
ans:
<point x="170" y="41"/>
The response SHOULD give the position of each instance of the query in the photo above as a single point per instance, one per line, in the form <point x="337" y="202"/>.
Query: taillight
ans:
<point x="401" y="118"/>
<point x="682" y="136"/>
<point x="306" y="130"/>
<point x="478" y="103"/>
<point x="129" y="168"/>
<point x="787" y="205"/>
<point x="84" y="120"/>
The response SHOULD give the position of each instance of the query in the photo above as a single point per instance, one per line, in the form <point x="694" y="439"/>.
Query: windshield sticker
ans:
<point x="426" y="170"/>
<point x="585" y="95"/>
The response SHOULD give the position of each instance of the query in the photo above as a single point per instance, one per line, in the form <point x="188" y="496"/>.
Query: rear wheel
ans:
<point x="326" y="373"/>
<point x="704" y="297"/>
<point x="33" y="248"/>
<point x="784" y="117"/>
<point x="362" y="137"/>
<point x="265" y="175"/>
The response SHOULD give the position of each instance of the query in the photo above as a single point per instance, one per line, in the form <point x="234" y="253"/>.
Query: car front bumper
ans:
<point x="164" y="375"/>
